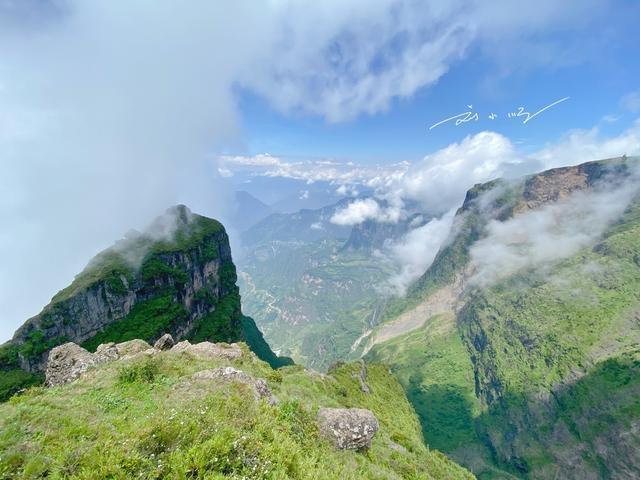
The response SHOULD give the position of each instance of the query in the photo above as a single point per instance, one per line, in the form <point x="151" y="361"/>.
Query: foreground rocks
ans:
<point x="165" y="342"/>
<point x="230" y="374"/>
<point x="208" y="350"/>
<point x="348" y="428"/>
<point x="68" y="362"/>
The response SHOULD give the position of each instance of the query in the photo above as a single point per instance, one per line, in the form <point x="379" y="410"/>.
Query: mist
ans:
<point x="537" y="239"/>
<point x="415" y="252"/>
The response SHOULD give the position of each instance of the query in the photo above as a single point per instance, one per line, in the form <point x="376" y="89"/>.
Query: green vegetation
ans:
<point x="252" y="335"/>
<point x="312" y="300"/>
<point x="144" y="418"/>
<point x="434" y="368"/>
<point x="14" y="380"/>
<point x="144" y="371"/>
<point x="221" y="325"/>
<point x="147" y="319"/>
<point x="108" y="267"/>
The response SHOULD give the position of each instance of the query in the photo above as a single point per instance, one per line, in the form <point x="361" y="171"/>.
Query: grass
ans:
<point x="142" y="419"/>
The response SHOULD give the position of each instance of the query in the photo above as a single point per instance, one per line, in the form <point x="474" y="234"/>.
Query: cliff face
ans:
<point x="176" y="277"/>
<point x="552" y="346"/>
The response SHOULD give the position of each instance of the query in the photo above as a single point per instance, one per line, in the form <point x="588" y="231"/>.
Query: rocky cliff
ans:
<point x="534" y="371"/>
<point x="177" y="277"/>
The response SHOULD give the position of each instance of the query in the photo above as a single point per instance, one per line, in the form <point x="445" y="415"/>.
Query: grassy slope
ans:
<point x="528" y="336"/>
<point x="434" y="368"/>
<point x="580" y="319"/>
<point x="139" y="419"/>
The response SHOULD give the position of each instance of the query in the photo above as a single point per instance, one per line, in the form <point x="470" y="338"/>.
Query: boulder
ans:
<point x="182" y="346"/>
<point x="230" y="374"/>
<point x="66" y="363"/>
<point x="165" y="342"/>
<point x="106" y="352"/>
<point x="131" y="347"/>
<point x="208" y="350"/>
<point x="348" y="428"/>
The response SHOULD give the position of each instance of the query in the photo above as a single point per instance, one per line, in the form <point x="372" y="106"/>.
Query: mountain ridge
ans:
<point x="543" y="361"/>
<point x="176" y="277"/>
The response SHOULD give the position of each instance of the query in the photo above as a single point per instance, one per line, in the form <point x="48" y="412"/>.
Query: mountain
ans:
<point x="312" y="299"/>
<point x="519" y="347"/>
<point x="305" y="225"/>
<point x="176" y="277"/>
<point x="314" y="287"/>
<point x="372" y="235"/>
<point x="248" y="210"/>
<point x="212" y="411"/>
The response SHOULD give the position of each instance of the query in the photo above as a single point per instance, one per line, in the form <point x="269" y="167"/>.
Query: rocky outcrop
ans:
<point x="195" y="271"/>
<point x="165" y="342"/>
<point x="348" y="428"/>
<point x="230" y="374"/>
<point x="208" y="350"/>
<point x="67" y="363"/>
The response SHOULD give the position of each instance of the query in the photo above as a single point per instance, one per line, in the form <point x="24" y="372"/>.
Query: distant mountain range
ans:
<point x="314" y="286"/>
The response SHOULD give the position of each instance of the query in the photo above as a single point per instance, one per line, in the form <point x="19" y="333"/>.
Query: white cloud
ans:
<point x="108" y="109"/>
<point x="346" y="174"/>
<point x="361" y="210"/>
<point x="538" y="238"/>
<point x="441" y="180"/>
<point x="415" y="252"/>
<point x="580" y="146"/>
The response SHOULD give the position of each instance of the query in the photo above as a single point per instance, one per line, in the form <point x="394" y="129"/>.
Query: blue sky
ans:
<point x="600" y="67"/>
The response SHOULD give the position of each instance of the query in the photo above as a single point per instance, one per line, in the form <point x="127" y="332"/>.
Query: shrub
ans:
<point x="144" y="371"/>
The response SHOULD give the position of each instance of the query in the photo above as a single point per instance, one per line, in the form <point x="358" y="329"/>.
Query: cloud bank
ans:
<point x="538" y="238"/>
<point x="415" y="252"/>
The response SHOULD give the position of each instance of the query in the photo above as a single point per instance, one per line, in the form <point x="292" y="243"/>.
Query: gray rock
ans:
<point x="131" y="347"/>
<point x="230" y="374"/>
<point x="165" y="342"/>
<point x="106" y="352"/>
<point x="181" y="346"/>
<point x="348" y="428"/>
<point x="66" y="363"/>
<point x="208" y="350"/>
